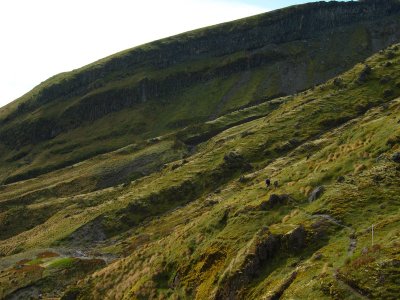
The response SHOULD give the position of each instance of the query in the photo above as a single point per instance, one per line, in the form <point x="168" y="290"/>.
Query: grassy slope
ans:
<point x="201" y="100"/>
<point x="219" y="221"/>
<point x="210" y="239"/>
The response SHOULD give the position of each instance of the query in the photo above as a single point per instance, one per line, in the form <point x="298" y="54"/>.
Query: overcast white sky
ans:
<point x="40" y="38"/>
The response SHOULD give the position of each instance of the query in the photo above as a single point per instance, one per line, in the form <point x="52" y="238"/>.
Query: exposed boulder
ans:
<point x="363" y="77"/>
<point x="316" y="193"/>
<point x="396" y="157"/>
<point x="235" y="160"/>
<point x="338" y="82"/>
<point x="317" y="256"/>
<point x="295" y="240"/>
<point x="388" y="93"/>
<point x="274" y="200"/>
<point x="385" y="79"/>
<point x="387" y="64"/>
<point x="233" y="157"/>
<point x="377" y="178"/>
<point x="390" y="55"/>
<point x="341" y="179"/>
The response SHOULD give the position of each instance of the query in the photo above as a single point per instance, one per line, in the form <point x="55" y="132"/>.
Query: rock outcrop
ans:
<point x="250" y="262"/>
<point x="316" y="194"/>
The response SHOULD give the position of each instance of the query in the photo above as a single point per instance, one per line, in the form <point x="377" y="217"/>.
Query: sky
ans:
<point x="41" y="38"/>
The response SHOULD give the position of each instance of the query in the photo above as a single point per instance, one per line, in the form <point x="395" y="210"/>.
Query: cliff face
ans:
<point x="278" y="27"/>
<point x="277" y="53"/>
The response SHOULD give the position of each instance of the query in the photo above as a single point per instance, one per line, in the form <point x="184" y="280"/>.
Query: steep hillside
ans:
<point x="230" y="237"/>
<point x="188" y="79"/>
<point x="207" y="227"/>
<point x="178" y="207"/>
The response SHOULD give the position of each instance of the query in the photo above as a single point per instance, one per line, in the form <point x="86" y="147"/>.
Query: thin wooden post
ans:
<point x="372" y="235"/>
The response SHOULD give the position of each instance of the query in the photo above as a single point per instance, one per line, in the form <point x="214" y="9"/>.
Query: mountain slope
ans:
<point x="242" y="242"/>
<point x="187" y="79"/>
<point x="235" y="239"/>
<point x="187" y="214"/>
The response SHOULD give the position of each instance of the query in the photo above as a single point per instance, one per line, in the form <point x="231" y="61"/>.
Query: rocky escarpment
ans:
<point x="286" y="44"/>
<point x="250" y="262"/>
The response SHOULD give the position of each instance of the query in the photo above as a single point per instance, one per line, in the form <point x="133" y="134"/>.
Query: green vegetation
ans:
<point x="167" y="199"/>
<point x="61" y="263"/>
<point x="162" y="87"/>
<point x="215" y="204"/>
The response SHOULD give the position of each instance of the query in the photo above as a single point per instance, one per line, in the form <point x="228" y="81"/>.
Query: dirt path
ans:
<point x="80" y="253"/>
<point x="350" y="251"/>
<point x="86" y="254"/>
